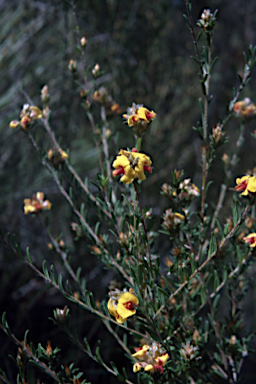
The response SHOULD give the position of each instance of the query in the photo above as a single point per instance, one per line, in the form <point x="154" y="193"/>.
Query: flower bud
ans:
<point x="83" y="41"/>
<point x="48" y="350"/>
<point x="72" y="66"/>
<point x="96" y="71"/>
<point x="44" y="94"/>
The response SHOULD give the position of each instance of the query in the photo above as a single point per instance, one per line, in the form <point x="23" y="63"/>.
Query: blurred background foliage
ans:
<point x="144" y="49"/>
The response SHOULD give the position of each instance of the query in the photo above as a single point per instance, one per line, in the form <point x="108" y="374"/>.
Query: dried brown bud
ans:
<point x="218" y="134"/>
<point x="48" y="350"/>
<point x="61" y="314"/>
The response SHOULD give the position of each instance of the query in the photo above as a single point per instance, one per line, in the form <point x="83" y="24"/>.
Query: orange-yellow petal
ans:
<point x="35" y="112"/>
<point x="251" y="187"/>
<point x="136" y="367"/>
<point x="242" y="184"/>
<point x="126" y="305"/>
<point x="141" y="352"/>
<point x="161" y="360"/>
<point x="149" y="368"/>
<point x="129" y="175"/>
<point x="145" y="114"/>
<point x="121" y="161"/>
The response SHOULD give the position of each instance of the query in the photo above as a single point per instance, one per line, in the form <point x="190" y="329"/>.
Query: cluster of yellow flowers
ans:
<point x="139" y="117"/>
<point x="244" y="108"/>
<point x="56" y="157"/>
<point x="131" y="164"/>
<point x="152" y="358"/>
<point x="28" y="114"/>
<point x="36" y="204"/>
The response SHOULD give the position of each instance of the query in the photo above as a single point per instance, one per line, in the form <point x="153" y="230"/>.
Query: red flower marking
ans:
<point x="38" y="206"/>
<point x="150" y="115"/>
<point x="147" y="168"/>
<point x="129" y="305"/>
<point x="251" y="240"/>
<point x="242" y="186"/>
<point x="118" y="171"/>
<point x="159" y="367"/>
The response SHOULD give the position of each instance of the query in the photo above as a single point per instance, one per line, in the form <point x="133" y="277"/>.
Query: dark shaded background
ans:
<point x="144" y="48"/>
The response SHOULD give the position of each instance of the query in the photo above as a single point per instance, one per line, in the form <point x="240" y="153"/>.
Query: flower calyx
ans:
<point x="244" y="108"/>
<point x="36" y="204"/>
<point x="151" y="358"/>
<point x="28" y="114"/>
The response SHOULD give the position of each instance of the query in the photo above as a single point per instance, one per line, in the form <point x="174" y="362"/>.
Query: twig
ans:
<point x="110" y="329"/>
<point x="30" y="355"/>
<point x="69" y="166"/>
<point x="72" y="170"/>
<point x="67" y="294"/>
<point x="80" y="216"/>
<point x="212" y="295"/>
<point x="229" y="174"/>
<point x="108" y="369"/>
<point x="200" y="268"/>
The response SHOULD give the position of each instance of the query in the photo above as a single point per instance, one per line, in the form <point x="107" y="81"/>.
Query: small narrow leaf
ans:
<point x="213" y="245"/>
<point x="45" y="270"/>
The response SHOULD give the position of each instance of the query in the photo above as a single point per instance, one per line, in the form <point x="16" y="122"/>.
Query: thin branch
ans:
<point x="201" y="267"/>
<point x="30" y="355"/>
<point x="80" y="216"/>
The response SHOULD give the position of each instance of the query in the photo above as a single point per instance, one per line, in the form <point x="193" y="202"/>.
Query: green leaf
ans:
<point x="60" y="283"/>
<point x="187" y="19"/>
<point x="203" y="294"/>
<point x="192" y="262"/>
<point x="215" y="302"/>
<point x="240" y="254"/>
<point x="219" y="227"/>
<point x="213" y="64"/>
<point x="213" y="245"/>
<point x="52" y="273"/>
<point x="25" y="337"/>
<point x="28" y="256"/>
<point x="45" y="270"/>
<point x="70" y="193"/>
<point x="236" y="212"/>
<point x="199" y="35"/>
<point x="226" y="229"/>
<point x="78" y="273"/>
<point x="216" y="280"/>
